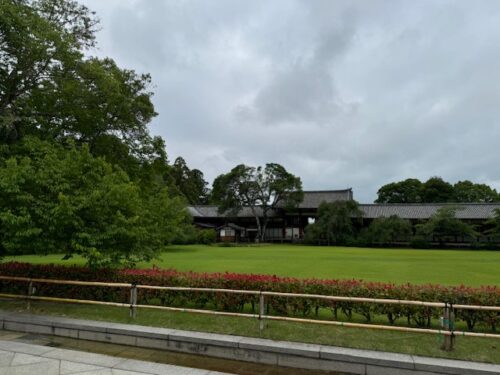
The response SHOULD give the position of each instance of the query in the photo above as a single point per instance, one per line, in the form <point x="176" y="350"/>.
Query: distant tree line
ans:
<point x="435" y="190"/>
<point x="340" y="223"/>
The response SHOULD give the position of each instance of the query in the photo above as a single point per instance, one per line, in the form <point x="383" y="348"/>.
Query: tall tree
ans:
<point x="388" y="230"/>
<point x="407" y="191"/>
<point x="436" y="190"/>
<point x="469" y="192"/>
<point x="64" y="200"/>
<point x="261" y="189"/>
<point x="190" y="182"/>
<point x="444" y="224"/>
<point x="494" y="224"/>
<point x="37" y="38"/>
<point x="49" y="88"/>
<point x="334" y="223"/>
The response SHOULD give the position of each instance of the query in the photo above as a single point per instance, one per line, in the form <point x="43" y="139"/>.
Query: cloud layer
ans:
<point x="342" y="93"/>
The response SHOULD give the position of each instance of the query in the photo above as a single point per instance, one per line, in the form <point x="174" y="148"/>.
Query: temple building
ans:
<point x="288" y="225"/>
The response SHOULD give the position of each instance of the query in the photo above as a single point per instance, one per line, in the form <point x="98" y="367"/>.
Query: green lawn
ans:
<point x="449" y="267"/>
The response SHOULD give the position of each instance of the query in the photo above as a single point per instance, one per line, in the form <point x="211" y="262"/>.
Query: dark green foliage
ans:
<point x="444" y="225"/>
<point x="37" y="39"/>
<point x="420" y="242"/>
<point x="494" y="224"/>
<point x="387" y="230"/>
<point x="49" y="88"/>
<point x="206" y="236"/>
<point x="79" y="171"/>
<point x="57" y="199"/>
<point x="95" y="98"/>
<point x="334" y="223"/>
<point x="190" y="182"/>
<point x="260" y="189"/>
<point x="467" y="191"/>
<point x="435" y="190"/>
<point x="407" y="191"/>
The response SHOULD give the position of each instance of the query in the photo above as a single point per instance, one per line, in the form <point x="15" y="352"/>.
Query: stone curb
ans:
<point x="280" y="353"/>
<point x="101" y="361"/>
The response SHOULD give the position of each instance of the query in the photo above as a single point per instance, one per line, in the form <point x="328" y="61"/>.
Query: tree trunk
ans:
<point x="263" y="228"/>
<point x="259" y="229"/>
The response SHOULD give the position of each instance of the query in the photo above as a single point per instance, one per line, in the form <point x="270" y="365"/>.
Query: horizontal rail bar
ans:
<point x="256" y="316"/>
<point x="382" y="327"/>
<point x="255" y="292"/>
<point x="66" y="300"/>
<point x="67" y="282"/>
<point x="198" y="311"/>
<point x="189" y="289"/>
<point x="357" y="299"/>
<point x="477" y="334"/>
<point x="476" y="307"/>
<point x="357" y="325"/>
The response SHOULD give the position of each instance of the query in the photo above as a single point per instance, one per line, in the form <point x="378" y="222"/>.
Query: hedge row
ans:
<point x="414" y="315"/>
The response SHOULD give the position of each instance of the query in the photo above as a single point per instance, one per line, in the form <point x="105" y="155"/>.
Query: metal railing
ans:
<point x="448" y="332"/>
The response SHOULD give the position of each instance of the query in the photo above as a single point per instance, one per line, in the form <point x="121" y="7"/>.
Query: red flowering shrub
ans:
<point x="415" y="315"/>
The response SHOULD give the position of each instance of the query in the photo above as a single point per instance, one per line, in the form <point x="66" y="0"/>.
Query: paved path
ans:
<point x="26" y="359"/>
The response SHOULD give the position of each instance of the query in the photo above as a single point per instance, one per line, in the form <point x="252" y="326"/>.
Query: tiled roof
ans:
<point x="213" y="212"/>
<point x="426" y="210"/>
<point x="312" y="199"/>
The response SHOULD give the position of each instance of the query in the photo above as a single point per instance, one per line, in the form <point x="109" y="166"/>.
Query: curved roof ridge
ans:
<point x="328" y="191"/>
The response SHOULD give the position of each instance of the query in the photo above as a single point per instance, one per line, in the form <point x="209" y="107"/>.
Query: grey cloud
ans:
<point x="342" y="93"/>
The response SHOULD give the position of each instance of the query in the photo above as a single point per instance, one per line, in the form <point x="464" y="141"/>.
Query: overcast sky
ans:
<point x="342" y="93"/>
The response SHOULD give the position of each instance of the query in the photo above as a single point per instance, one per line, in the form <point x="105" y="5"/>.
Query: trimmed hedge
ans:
<point x="414" y="315"/>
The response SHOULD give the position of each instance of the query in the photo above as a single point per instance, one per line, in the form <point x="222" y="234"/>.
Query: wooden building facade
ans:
<point x="289" y="226"/>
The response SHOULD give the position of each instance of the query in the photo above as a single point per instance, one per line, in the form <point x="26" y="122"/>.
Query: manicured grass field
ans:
<point x="450" y="267"/>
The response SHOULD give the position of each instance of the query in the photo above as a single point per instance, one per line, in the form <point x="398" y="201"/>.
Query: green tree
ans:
<point x="388" y="230"/>
<point x="57" y="199"/>
<point x="469" y="192"/>
<point x="190" y="182"/>
<point x="407" y="191"/>
<point x="49" y="88"/>
<point x="36" y="39"/>
<point x="494" y="225"/>
<point x="436" y="190"/>
<point x="334" y="223"/>
<point x="444" y="225"/>
<point x="261" y="189"/>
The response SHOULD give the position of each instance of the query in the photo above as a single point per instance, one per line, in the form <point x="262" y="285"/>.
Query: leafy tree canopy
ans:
<point x="334" y="223"/>
<point x="435" y="190"/>
<point x="261" y="189"/>
<point x="444" y="224"/>
<point x="79" y="171"/>
<point x="467" y="191"/>
<point x="63" y="199"/>
<point x="49" y="88"/>
<point x="190" y="182"/>
<point x="407" y="191"/>
<point x="388" y="230"/>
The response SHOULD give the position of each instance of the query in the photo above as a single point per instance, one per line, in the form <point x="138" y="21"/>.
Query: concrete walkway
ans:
<point x="26" y="359"/>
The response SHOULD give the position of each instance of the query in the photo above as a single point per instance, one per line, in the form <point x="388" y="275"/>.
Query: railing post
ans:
<point x="261" y="311"/>
<point x="30" y="293"/>
<point x="452" y="326"/>
<point x="448" y="325"/>
<point x="133" y="300"/>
